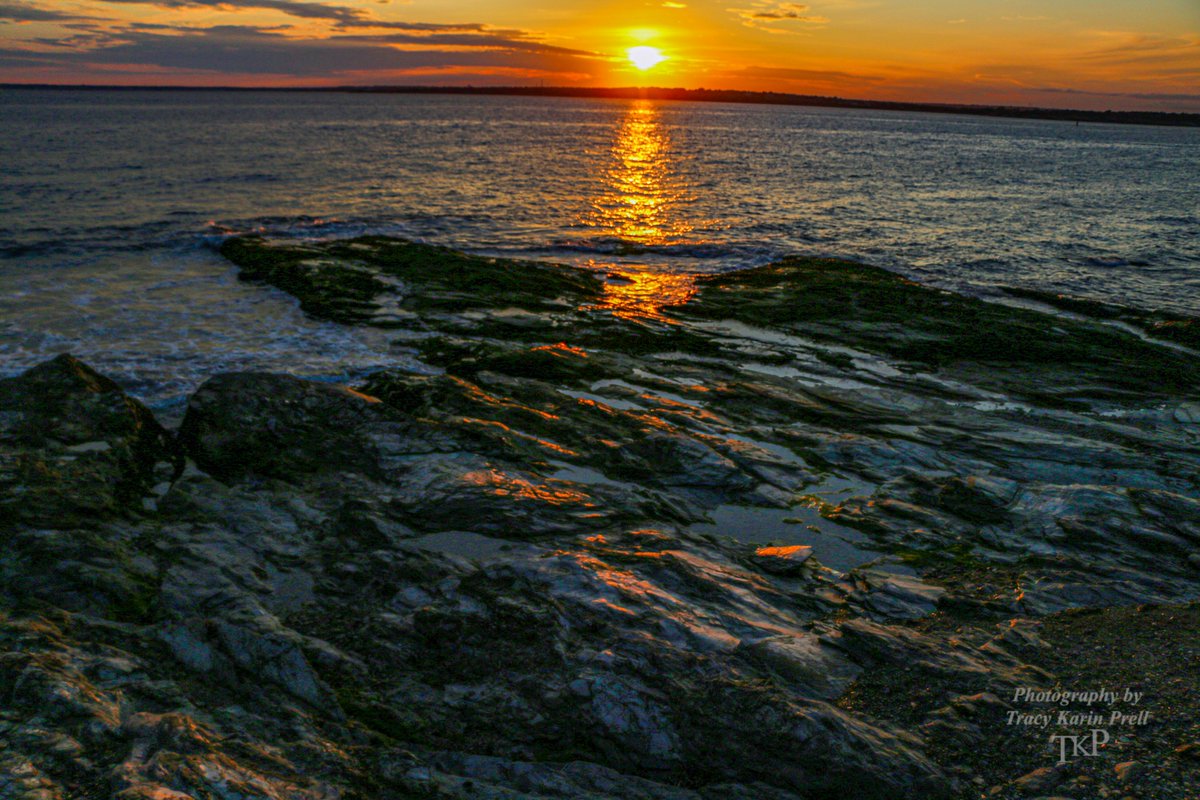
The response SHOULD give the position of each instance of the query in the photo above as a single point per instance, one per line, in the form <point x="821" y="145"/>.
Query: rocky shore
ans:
<point x="803" y="534"/>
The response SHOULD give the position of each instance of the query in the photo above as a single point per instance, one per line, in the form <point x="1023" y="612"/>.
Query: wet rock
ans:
<point x="463" y="491"/>
<point x="273" y="658"/>
<point x="1188" y="750"/>
<point x="810" y="667"/>
<point x="876" y="310"/>
<point x="1130" y="771"/>
<point x="888" y="595"/>
<point x="331" y="602"/>
<point x="250" y="424"/>
<point x="1185" y="330"/>
<point x="354" y="281"/>
<point x="73" y="446"/>
<point x="1040" y="780"/>
<point x="485" y="776"/>
<point x="782" y="560"/>
<point x="188" y="644"/>
<point x="679" y="460"/>
<point x="637" y="723"/>
<point x="20" y="779"/>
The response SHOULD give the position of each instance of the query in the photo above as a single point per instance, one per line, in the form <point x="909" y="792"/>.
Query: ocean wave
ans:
<point x="314" y="227"/>
<point x="689" y="250"/>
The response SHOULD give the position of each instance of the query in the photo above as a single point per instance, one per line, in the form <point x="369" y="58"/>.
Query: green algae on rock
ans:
<point x="76" y="446"/>
<point x="343" y="281"/>
<point x="1178" y="328"/>
<point x="875" y="310"/>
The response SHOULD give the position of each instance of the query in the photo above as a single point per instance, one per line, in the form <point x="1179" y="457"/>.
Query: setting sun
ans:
<point x="645" y="57"/>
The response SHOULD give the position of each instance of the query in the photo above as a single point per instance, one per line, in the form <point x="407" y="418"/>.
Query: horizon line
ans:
<point x="680" y="94"/>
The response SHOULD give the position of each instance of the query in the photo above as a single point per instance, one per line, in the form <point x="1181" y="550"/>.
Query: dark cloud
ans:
<point x="813" y="75"/>
<point x="295" y="8"/>
<point x="782" y="11"/>
<point x="27" y="12"/>
<point x="764" y="13"/>
<point x="468" y="40"/>
<point x="247" y="50"/>
<point x="360" y="44"/>
<point x="341" y="16"/>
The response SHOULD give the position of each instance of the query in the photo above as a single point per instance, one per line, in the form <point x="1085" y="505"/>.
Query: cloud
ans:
<point x="294" y="8"/>
<point x="764" y="14"/>
<point x="340" y="16"/>
<point x="486" y="40"/>
<point x="670" y="4"/>
<point x="808" y="75"/>
<point x="349" y="45"/>
<point x="249" y="51"/>
<point x="1124" y="48"/>
<point x="27" y="12"/>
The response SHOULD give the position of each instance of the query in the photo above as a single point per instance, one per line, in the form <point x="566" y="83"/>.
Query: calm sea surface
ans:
<point x="111" y="205"/>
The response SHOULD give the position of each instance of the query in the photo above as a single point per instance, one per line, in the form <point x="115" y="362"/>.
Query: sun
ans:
<point x="645" y="57"/>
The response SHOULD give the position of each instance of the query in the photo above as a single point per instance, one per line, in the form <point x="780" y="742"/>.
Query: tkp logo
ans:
<point x="1086" y="745"/>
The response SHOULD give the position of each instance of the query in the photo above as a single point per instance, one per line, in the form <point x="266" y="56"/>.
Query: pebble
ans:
<point x="1129" y="771"/>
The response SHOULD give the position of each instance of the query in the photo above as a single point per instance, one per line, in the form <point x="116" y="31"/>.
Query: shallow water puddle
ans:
<point x="620" y="405"/>
<point x="833" y="545"/>
<point x="579" y="474"/>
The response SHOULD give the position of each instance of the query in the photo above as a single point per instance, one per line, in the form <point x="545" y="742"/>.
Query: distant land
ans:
<point x="1179" y="119"/>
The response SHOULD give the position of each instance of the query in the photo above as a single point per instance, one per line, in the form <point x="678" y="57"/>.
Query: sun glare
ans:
<point x="645" y="57"/>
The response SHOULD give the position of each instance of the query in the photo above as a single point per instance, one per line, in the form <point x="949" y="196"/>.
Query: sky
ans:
<point x="1096" y="54"/>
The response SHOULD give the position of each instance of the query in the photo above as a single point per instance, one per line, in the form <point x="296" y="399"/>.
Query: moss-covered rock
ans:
<point x="872" y="309"/>
<point x="258" y="425"/>
<point x="353" y="280"/>
<point x="74" y="446"/>
<point x="1178" y="328"/>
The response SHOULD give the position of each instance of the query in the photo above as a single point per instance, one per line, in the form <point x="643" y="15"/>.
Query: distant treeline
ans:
<point x="712" y="96"/>
<point x="784" y="99"/>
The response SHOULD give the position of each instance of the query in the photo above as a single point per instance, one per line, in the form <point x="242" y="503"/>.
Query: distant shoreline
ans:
<point x="1164" y="118"/>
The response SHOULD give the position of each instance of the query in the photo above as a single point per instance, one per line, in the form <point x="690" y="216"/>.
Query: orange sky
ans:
<point x="1074" y="53"/>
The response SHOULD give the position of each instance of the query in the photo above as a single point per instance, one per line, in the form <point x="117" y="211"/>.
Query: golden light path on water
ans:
<point x="642" y="190"/>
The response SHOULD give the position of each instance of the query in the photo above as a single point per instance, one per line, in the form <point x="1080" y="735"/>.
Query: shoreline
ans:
<point x="1152" y="118"/>
<point x="590" y="554"/>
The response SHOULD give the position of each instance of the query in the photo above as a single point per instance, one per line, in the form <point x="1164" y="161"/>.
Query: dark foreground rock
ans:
<point x="74" y="446"/>
<point x="587" y="556"/>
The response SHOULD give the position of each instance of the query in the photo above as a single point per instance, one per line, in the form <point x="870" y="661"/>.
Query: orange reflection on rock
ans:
<point x="560" y="349"/>
<point x="628" y="586"/>
<point x="782" y="552"/>
<point x="502" y="485"/>
<point x="478" y="395"/>
<point x="368" y="398"/>
<point x="546" y="443"/>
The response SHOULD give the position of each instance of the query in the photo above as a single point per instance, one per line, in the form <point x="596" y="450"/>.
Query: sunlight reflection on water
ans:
<point x="642" y="183"/>
<point x="642" y="189"/>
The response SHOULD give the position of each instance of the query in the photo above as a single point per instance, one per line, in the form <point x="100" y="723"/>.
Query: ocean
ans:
<point x="112" y="205"/>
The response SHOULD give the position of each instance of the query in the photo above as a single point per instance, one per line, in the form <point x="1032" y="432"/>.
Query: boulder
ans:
<point x="251" y="424"/>
<point x="782" y="560"/>
<point x="75" y="447"/>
